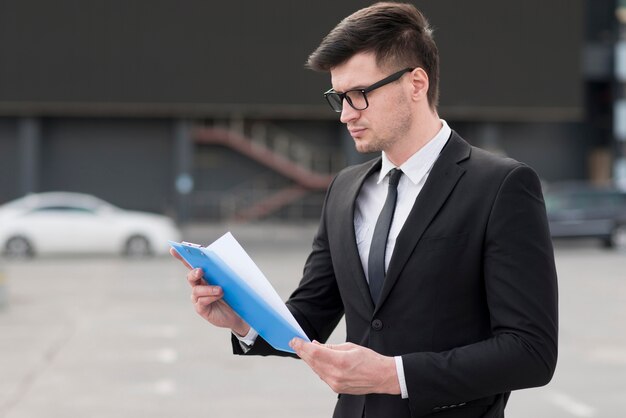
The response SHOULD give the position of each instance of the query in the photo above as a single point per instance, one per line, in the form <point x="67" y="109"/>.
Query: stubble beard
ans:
<point x="394" y="132"/>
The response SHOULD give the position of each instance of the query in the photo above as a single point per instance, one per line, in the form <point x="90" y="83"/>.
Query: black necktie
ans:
<point x="376" y="261"/>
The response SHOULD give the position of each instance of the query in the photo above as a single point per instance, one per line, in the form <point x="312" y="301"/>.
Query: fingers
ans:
<point x="195" y="277"/>
<point x="177" y="256"/>
<point x="349" y="368"/>
<point x="206" y="295"/>
<point x="205" y="299"/>
<point x="298" y="346"/>
<point x="202" y="295"/>
<point x="309" y="352"/>
<point x="324" y="361"/>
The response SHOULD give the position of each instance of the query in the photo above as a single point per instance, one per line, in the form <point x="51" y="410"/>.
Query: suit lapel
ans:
<point x="441" y="181"/>
<point x="348" y="246"/>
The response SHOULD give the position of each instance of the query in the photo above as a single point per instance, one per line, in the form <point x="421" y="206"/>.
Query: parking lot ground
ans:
<point x="111" y="337"/>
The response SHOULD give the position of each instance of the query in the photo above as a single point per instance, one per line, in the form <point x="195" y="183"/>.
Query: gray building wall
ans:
<point x="125" y="161"/>
<point x="557" y="151"/>
<point x="107" y="83"/>
<point x="130" y="162"/>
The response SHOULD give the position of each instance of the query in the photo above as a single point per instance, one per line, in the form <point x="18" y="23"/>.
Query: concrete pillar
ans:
<point x="29" y="136"/>
<point x="489" y="137"/>
<point x="183" y="165"/>
<point x="619" y="106"/>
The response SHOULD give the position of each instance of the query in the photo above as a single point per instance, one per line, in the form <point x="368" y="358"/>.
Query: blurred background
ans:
<point x="204" y="110"/>
<point x="166" y="120"/>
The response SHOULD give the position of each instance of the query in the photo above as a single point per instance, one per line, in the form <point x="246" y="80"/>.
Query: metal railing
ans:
<point x="309" y="169"/>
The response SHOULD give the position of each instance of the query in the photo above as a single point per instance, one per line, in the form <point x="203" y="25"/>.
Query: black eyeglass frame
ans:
<point x="341" y="96"/>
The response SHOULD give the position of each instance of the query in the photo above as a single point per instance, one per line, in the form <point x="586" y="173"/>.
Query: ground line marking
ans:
<point x="571" y="405"/>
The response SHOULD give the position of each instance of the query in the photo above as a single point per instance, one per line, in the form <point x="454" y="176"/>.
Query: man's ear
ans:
<point x="420" y="84"/>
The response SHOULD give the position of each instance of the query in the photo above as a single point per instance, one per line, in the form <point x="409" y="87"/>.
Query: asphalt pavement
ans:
<point x="111" y="337"/>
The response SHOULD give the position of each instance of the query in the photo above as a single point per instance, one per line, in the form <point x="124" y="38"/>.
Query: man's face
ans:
<point x="388" y="118"/>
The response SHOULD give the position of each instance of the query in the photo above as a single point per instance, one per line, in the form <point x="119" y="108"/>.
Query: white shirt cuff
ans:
<point x="400" y="370"/>
<point x="247" y="341"/>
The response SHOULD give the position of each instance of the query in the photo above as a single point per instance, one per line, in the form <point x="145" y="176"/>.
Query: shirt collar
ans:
<point x="420" y="163"/>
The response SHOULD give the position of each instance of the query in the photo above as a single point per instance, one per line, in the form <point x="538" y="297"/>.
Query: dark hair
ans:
<point x="397" y="33"/>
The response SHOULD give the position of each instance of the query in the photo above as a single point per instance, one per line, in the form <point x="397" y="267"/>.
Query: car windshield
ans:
<point x="63" y="209"/>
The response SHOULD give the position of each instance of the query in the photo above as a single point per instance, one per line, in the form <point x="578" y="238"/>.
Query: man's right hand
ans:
<point x="208" y="302"/>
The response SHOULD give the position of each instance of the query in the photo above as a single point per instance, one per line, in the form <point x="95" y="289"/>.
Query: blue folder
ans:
<point x="252" y="308"/>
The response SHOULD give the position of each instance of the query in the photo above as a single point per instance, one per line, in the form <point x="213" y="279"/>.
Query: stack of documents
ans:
<point x="246" y="290"/>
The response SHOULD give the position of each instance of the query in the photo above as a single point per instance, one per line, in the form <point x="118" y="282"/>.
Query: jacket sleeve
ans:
<point x="521" y="290"/>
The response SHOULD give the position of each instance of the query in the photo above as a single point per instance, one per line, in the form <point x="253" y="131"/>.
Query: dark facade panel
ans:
<point x="498" y="58"/>
<point x="509" y="53"/>
<point x="126" y="162"/>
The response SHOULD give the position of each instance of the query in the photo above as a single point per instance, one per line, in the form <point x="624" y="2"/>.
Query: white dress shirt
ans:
<point x="372" y="197"/>
<point x="369" y="204"/>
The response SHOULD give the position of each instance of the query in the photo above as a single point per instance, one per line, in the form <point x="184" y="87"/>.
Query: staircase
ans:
<point x="273" y="154"/>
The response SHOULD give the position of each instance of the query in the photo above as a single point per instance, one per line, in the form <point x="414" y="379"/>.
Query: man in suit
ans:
<point x="437" y="252"/>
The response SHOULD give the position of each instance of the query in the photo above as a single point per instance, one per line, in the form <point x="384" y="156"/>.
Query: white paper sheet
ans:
<point x="233" y="254"/>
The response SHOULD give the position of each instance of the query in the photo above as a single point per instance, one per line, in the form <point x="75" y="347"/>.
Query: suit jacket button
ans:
<point x="377" y="324"/>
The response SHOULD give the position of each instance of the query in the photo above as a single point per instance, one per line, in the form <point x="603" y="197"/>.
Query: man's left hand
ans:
<point x="349" y="368"/>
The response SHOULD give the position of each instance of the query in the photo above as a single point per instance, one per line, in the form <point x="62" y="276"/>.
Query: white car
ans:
<point x="64" y="222"/>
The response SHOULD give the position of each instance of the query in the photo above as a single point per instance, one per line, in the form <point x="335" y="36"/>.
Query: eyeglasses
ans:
<point x="357" y="98"/>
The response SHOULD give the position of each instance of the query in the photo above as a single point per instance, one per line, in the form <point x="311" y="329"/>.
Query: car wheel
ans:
<point x="18" y="247"/>
<point x="137" y="246"/>
<point x="618" y="237"/>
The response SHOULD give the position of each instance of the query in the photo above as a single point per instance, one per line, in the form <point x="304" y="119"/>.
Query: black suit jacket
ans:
<point x="470" y="296"/>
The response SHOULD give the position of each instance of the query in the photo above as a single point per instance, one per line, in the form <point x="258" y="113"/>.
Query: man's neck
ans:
<point x="426" y="130"/>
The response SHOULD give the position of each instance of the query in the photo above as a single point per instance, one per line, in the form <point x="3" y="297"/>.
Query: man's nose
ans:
<point x="348" y="113"/>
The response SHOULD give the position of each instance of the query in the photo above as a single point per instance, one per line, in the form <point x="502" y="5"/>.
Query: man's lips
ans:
<point x="356" y="131"/>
